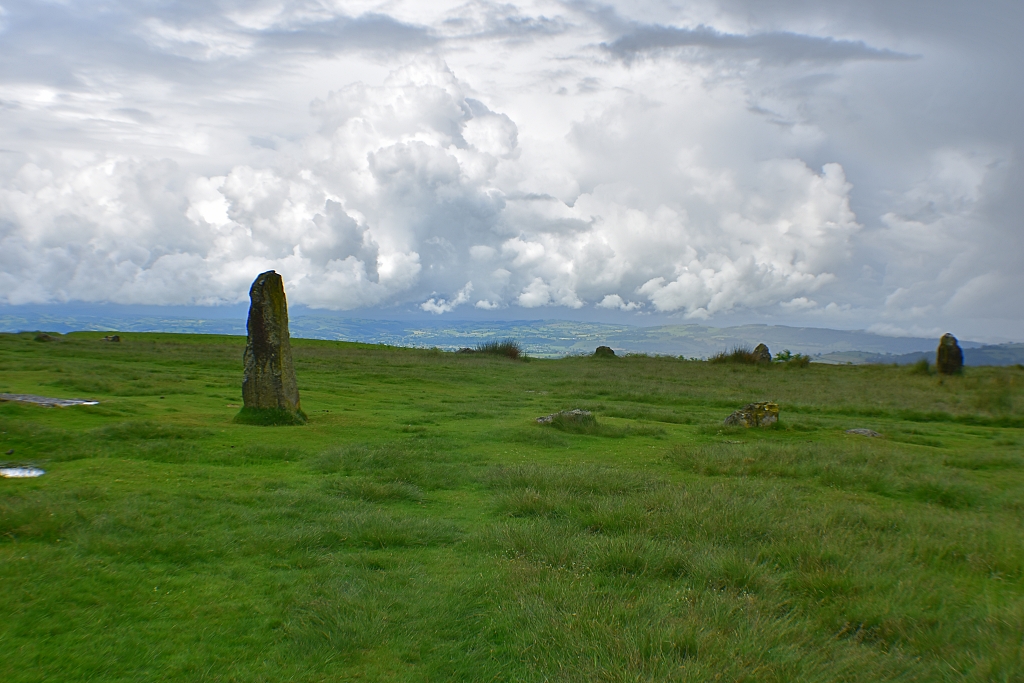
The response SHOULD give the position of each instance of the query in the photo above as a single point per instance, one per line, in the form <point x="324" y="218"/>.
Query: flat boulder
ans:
<point x="949" y="357"/>
<point x="860" y="431"/>
<point x="754" y="415"/>
<point x="112" y="338"/>
<point x="270" y="392"/>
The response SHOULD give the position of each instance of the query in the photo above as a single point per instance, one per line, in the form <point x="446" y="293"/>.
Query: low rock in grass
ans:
<point x="860" y="431"/>
<point x="575" y="420"/>
<point x="754" y="415"/>
<point x="604" y="352"/>
<point x="574" y="415"/>
<point x="112" y="338"/>
<point x="43" y="337"/>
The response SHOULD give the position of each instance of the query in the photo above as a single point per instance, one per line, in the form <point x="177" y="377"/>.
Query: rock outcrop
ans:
<point x="754" y="415"/>
<point x="949" y="357"/>
<point x="268" y="385"/>
<point x="762" y="354"/>
<point x="604" y="352"/>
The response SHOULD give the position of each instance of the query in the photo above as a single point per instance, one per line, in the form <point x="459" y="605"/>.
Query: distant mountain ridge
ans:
<point x="555" y="338"/>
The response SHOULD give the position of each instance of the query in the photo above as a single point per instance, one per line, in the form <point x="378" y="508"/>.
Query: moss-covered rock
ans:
<point x="949" y="357"/>
<point x="754" y="415"/>
<point x="269" y="387"/>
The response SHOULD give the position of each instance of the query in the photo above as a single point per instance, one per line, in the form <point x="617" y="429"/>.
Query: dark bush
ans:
<point x="740" y="354"/>
<point x="509" y="348"/>
<point x="792" y="360"/>
<point x="921" y="367"/>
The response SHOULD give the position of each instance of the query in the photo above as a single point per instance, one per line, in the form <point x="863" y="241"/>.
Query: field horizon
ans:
<point x="541" y="338"/>
<point x="422" y="525"/>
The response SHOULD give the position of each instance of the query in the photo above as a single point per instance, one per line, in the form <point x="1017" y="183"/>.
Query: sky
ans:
<point x="850" y="164"/>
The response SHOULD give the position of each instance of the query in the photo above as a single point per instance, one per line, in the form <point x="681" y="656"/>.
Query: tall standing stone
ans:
<point x="949" y="358"/>
<point x="268" y="385"/>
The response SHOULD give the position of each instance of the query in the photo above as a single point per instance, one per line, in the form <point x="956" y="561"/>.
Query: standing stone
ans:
<point x="762" y="354"/>
<point x="949" y="358"/>
<point x="604" y="352"/>
<point x="269" y="381"/>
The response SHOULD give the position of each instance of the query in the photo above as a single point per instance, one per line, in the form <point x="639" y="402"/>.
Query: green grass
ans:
<point x="421" y="526"/>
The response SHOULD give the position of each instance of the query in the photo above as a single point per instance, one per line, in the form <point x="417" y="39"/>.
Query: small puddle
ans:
<point x="20" y="472"/>
<point x="47" y="401"/>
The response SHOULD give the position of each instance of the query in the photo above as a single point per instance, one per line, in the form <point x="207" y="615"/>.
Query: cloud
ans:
<point x="387" y="155"/>
<point x="615" y="302"/>
<point x="774" y="46"/>
<point x="439" y="306"/>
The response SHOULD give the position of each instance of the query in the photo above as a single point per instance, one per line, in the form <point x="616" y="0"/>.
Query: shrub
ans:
<point x="509" y="348"/>
<point x="740" y="354"/>
<point x="921" y="367"/>
<point x="792" y="360"/>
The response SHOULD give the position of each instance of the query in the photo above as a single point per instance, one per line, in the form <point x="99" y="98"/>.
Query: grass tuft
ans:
<point x="509" y="348"/>
<point x="740" y="355"/>
<point x="269" y="417"/>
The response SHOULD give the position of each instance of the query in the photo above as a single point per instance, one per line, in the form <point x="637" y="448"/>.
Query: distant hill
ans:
<point x="996" y="354"/>
<point x="553" y="338"/>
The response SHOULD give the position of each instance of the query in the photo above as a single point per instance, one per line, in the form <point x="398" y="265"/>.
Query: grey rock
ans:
<point x="863" y="432"/>
<point x="269" y="380"/>
<point x="754" y="415"/>
<point x="762" y="354"/>
<point x="574" y="415"/>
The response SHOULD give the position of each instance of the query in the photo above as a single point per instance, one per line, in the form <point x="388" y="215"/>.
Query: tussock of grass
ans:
<point x="740" y="355"/>
<point x="422" y="465"/>
<point x="921" y="367"/>
<point x="873" y="468"/>
<point x="148" y="430"/>
<point x="375" y="492"/>
<point x="509" y="348"/>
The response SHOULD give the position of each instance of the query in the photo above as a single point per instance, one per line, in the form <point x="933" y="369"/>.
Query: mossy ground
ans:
<point x="422" y="527"/>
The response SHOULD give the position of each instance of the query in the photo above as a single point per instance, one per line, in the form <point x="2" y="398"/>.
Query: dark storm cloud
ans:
<point x="777" y="46"/>
<point x="476" y="20"/>
<point x="372" y="32"/>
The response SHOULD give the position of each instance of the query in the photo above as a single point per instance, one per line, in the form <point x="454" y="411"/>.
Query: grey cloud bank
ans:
<point x="849" y="165"/>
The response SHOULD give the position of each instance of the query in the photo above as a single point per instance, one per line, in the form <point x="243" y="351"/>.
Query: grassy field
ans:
<point x="422" y="526"/>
